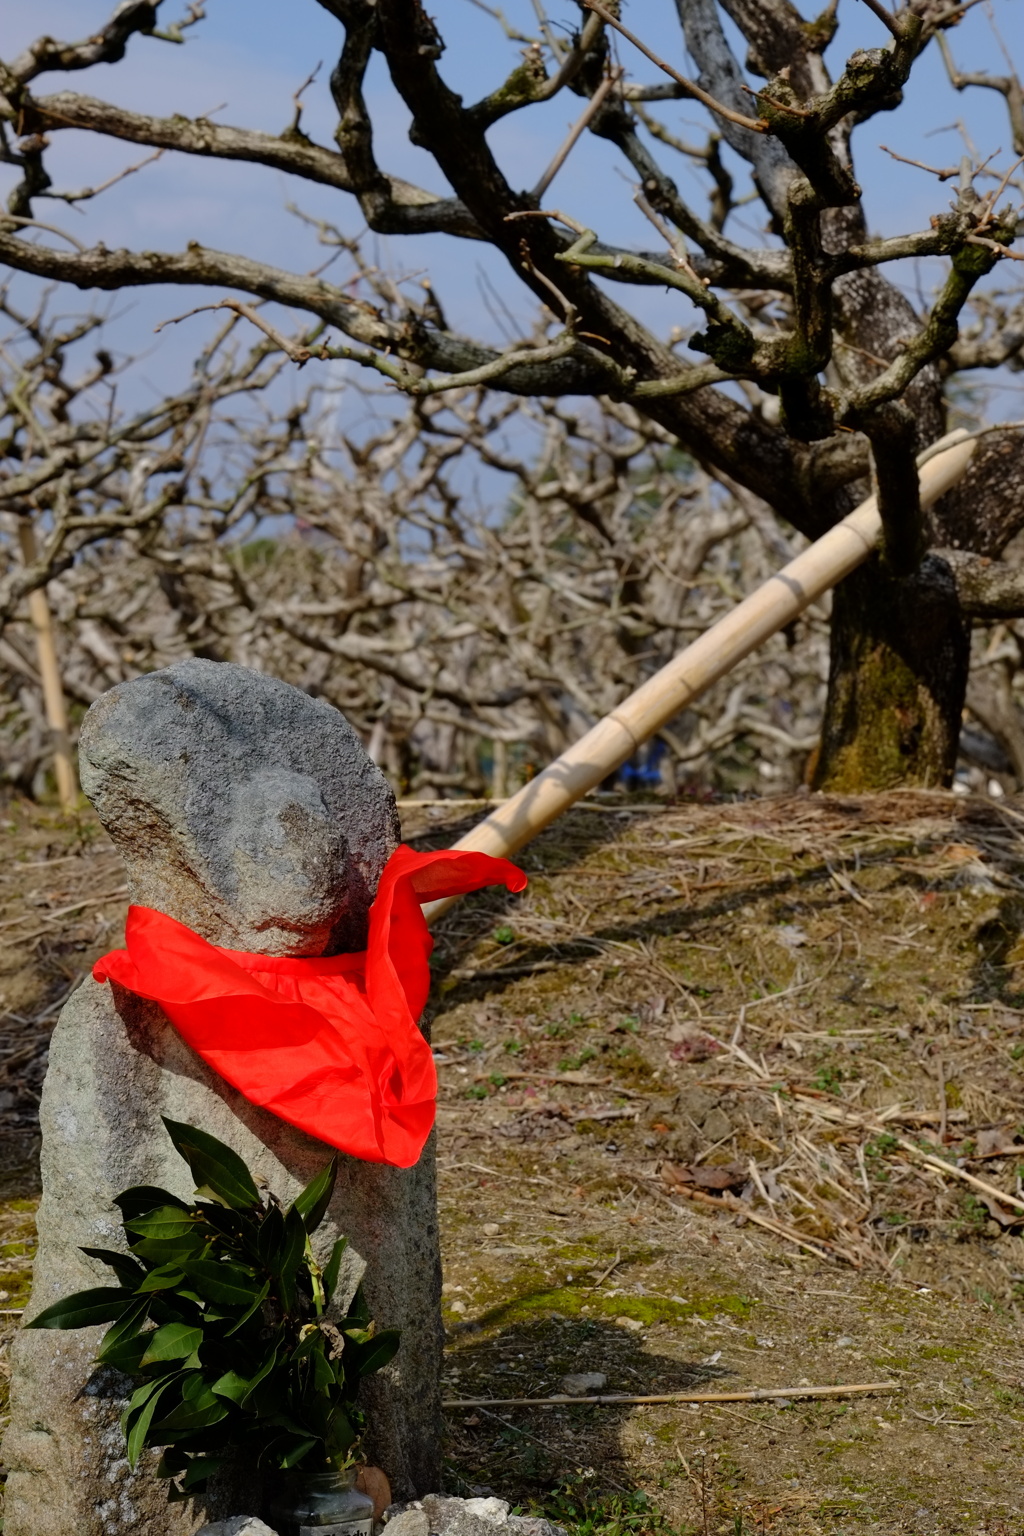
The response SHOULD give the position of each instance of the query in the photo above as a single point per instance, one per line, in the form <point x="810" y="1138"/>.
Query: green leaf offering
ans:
<point x="217" y="1170"/>
<point x="220" y="1314"/>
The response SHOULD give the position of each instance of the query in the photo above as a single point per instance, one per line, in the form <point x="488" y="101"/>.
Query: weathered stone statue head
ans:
<point x="242" y="807"/>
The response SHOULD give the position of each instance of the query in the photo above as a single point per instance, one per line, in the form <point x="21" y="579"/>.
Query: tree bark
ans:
<point x="897" y="680"/>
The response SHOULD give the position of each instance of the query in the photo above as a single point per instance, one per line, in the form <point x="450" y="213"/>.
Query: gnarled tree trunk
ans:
<point x="898" y="679"/>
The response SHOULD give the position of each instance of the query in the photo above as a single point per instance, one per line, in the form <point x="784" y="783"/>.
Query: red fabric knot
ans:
<point x="329" y="1044"/>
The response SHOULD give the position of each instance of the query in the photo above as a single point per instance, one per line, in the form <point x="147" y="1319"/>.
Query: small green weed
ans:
<point x="573" y="1063"/>
<point x="829" y="1080"/>
<point x="585" y="1512"/>
<point x="973" y="1215"/>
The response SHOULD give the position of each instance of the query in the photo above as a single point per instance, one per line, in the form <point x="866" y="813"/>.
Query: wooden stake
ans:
<point x="613" y="740"/>
<point x="49" y="673"/>
<point x="499" y="771"/>
<point x="757" y="1395"/>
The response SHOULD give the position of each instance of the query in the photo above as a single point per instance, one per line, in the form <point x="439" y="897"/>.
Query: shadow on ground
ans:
<point x="569" y="1462"/>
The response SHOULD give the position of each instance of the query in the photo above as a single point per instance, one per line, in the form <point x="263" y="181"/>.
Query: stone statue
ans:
<point x="250" y="812"/>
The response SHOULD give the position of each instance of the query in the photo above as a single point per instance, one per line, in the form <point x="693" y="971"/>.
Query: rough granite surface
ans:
<point x="251" y="812"/>
<point x="244" y="1525"/>
<point x="439" y="1514"/>
<point x="435" y="1515"/>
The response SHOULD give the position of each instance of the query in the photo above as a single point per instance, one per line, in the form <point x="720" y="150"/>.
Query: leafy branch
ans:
<point x="221" y="1311"/>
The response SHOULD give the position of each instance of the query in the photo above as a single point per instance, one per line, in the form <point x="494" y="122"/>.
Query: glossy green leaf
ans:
<point x="323" y="1376"/>
<point x="228" y="1284"/>
<point x="267" y="1394"/>
<point x="232" y="1386"/>
<point x="297" y="1454"/>
<point x="163" y="1223"/>
<point x="166" y="1234"/>
<point x="341" y="1434"/>
<point x="215" y="1167"/>
<point x="164" y="1278"/>
<point x="197" y="1411"/>
<point x="261" y="1375"/>
<point x="270" y="1243"/>
<point x="174" y="1341"/>
<point x="312" y="1203"/>
<point x="199" y="1471"/>
<point x="172" y="1462"/>
<point x="295" y="1241"/>
<point x="85" y="1308"/>
<point x="157" y="1253"/>
<point x="358" y="1314"/>
<point x="193" y="1386"/>
<point x="381" y="1349"/>
<point x="290" y="1423"/>
<point x="313" y="1339"/>
<point x="142" y="1198"/>
<point x="125" y="1354"/>
<point x="140" y="1428"/>
<point x="234" y="1225"/>
<point x="125" y="1268"/>
<point x="143" y="1397"/>
<point x="257" y="1302"/>
<point x="291" y="1259"/>
<point x="181" y="1294"/>
<point x="127" y="1326"/>
<point x="333" y="1269"/>
<point x="139" y="1397"/>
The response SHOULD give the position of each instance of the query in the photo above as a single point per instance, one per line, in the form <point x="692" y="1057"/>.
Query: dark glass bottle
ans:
<point x="321" y="1504"/>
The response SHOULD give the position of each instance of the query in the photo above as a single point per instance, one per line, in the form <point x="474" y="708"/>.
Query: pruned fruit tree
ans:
<point x="801" y="358"/>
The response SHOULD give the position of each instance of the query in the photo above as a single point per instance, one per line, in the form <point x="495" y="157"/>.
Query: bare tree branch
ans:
<point x="107" y="46"/>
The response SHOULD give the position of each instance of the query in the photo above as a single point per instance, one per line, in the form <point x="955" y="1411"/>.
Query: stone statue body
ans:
<point x="250" y="812"/>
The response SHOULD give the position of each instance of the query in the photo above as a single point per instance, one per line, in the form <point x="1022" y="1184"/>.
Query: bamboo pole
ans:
<point x="49" y="673"/>
<point x="613" y="740"/>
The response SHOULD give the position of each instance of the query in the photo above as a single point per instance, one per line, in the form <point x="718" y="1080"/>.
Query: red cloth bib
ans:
<point x="330" y="1045"/>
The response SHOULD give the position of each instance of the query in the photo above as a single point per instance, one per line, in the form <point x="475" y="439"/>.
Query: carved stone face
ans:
<point x="241" y="806"/>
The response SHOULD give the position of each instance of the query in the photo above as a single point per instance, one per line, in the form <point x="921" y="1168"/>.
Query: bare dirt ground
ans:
<point x="714" y="1093"/>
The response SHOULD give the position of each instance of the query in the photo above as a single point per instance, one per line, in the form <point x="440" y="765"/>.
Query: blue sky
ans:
<point x="249" y="56"/>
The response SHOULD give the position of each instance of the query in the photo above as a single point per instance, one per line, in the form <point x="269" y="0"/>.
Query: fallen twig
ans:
<point x="835" y="1112"/>
<point x="942" y="1166"/>
<point x="603" y="1276"/>
<point x="822" y="1247"/>
<point x="755" y="1395"/>
<point x="75" y="906"/>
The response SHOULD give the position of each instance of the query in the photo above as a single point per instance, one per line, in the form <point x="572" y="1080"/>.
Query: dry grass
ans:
<point x="806" y="997"/>
<point x="799" y="999"/>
